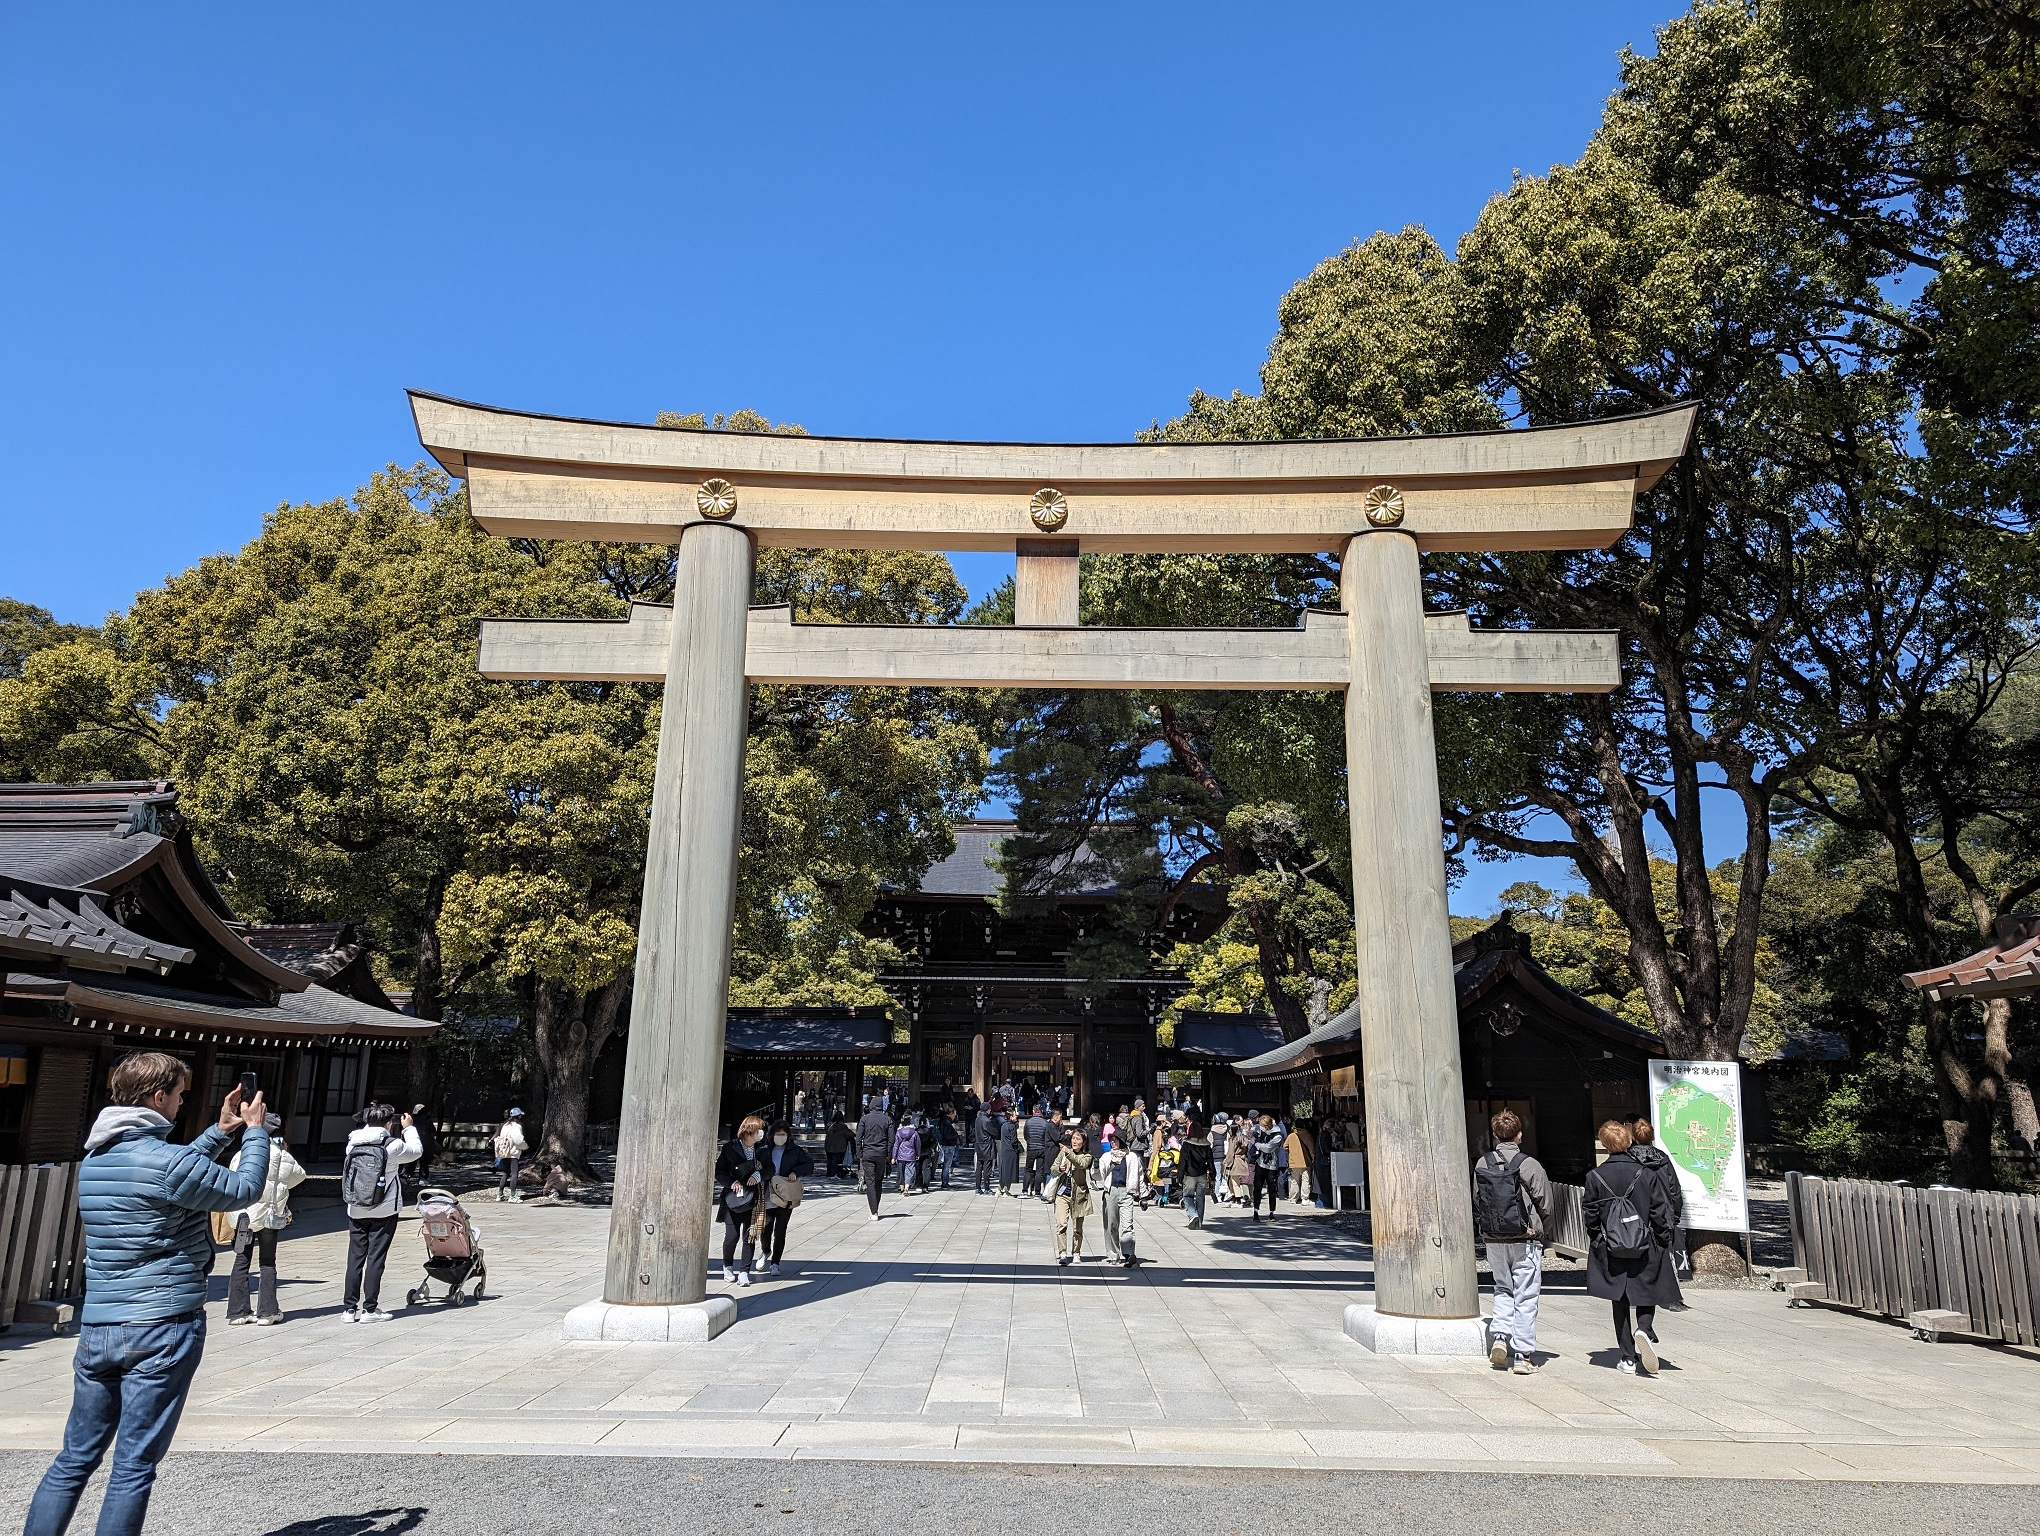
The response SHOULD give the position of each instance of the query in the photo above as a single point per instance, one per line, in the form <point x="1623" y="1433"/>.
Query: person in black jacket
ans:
<point x="1038" y="1150"/>
<point x="1644" y="1148"/>
<point x="783" y="1158"/>
<point x="874" y="1151"/>
<point x="984" y="1147"/>
<point x="1197" y="1166"/>
<point x="837" y="1146"/>
<point x="1009" y="1151"/>
<point x="1645" y="1280"/>
<point x="740" y="1185"/>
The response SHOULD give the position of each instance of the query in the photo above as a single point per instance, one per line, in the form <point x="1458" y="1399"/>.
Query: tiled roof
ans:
<point x="72" y="854"/>
<point x="317" y="1013"/>
<point x="317" y="950"/>
<point x="112" y="809"/>
<point x="73" y="859"/>
<point x="2008" y="967"/>
<point x="970" y="870"/>
<point x="83" y="936"/>
<point x="1223" y="1037"/>
<point x="808" y="1031"/>
<point x="1479" y="963"/>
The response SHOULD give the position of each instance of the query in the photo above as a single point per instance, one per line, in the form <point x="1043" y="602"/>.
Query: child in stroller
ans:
<point x="453" y="1248"/>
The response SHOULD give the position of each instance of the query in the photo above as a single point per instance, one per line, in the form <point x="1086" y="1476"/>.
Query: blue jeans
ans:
<point x="947" y="1155"/>
<point x="130" y="1379"/>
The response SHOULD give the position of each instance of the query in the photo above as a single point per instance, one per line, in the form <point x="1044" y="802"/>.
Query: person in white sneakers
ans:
<point x="510" y="1149"/>
<point x="256" y="1229"/>
<point x="786" y="1164"/>
<point x="740" y="1177"/>
<point x="374" y="1192"/>
<point x="1629" y="1236"/>
<point x="1511" y="1214"/>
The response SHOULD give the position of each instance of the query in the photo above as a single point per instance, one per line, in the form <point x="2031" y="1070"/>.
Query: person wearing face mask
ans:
<point x="740" y="1184"/>
<point x="786" y="1164"/>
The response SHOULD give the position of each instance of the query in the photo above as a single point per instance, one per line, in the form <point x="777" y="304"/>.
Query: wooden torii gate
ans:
<point x="1376" y="503"/>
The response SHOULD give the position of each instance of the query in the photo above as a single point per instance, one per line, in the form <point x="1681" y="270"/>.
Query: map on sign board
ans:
<point x="1697" y="1109"/>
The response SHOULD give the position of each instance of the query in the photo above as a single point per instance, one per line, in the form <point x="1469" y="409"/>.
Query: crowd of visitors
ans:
<point x="1024" y="1145"/>
<point x="1112" y="1167"/>
<point x="153" y="1212"/>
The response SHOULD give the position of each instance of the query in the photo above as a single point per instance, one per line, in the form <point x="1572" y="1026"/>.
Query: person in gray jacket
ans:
<point x="1512" y="1212"/>
<point x="148" y="1250"/>
<point x="874" y="1151"/>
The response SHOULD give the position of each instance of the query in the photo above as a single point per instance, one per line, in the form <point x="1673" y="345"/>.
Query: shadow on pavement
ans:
<point x="373" y="1522"/>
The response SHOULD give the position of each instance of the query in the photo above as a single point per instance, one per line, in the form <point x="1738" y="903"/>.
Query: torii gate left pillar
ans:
<point x="1558" y="488"/>
<point x="656" y="1282"/>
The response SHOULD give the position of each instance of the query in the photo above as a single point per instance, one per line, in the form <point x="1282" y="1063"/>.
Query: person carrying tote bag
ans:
<point x="786" y="1162"/>
<point x="740" y="1188"/>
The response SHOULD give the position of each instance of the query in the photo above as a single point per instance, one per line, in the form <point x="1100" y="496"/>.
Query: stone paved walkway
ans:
<point x="945" y="1331"/>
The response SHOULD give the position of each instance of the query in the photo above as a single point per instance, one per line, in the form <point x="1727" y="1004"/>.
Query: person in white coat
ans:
<point x="255" y="1231"/>
<point x="510" y="1149"/>
<point x="374" y="1192"/>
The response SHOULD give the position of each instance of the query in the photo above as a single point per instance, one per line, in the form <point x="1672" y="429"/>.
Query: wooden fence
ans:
<point x="1946" y="1260"/>
<point x="42" y="1243"/>
<point x="1568" y="1220"/>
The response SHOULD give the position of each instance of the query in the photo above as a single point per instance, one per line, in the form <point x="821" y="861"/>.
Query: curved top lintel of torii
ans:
<point x="1556" y="487"/>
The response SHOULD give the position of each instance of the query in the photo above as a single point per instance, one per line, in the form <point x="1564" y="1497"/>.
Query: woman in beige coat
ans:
<point x="1070" y="1177"/>
<point x="1301" y="1150"/>
<point x="1239" y="1159"/>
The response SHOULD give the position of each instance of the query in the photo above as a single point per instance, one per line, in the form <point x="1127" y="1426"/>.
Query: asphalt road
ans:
<point x="340" y="1495"/>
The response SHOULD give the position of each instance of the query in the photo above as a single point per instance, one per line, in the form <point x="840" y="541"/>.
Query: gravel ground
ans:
<point x="308" y="1495"/>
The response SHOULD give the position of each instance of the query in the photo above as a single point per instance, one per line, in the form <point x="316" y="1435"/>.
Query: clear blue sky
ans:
<point x="236" y="233"/>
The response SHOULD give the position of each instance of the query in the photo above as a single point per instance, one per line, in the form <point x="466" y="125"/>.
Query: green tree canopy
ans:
<point x="317" y="699"/>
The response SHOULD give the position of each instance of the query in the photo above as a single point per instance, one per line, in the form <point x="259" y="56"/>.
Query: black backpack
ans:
<point x="364" y="1173"/>
<point x="1625" y="1232"/>
<point x="1500" y="1214"/>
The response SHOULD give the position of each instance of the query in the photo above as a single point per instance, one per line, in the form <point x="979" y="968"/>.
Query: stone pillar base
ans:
<point x="694" y="1322"/>
<point x="1386" y="1334"/>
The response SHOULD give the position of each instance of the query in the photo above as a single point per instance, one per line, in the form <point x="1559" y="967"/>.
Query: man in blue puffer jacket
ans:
<point x="148" y="1250"/>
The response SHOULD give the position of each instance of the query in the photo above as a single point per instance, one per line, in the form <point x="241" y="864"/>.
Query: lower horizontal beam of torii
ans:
<point x="1316" y="654"/>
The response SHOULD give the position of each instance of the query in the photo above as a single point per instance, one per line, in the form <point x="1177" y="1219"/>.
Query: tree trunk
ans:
<point x="572" y="1028"/>
<point x="1966" y="1091"/>
<point x="1290" y="1016"/>
<point x="428" y="995"/>
<point x="2025" y="1119"/>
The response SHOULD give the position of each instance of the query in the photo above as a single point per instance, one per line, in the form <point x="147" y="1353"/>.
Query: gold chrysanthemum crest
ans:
<point x="717" y="499"/>
<point x="1049" y="509"/>
<point x="1383" y="505"/>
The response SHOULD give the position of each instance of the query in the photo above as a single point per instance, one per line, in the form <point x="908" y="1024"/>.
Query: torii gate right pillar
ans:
<point x="1427" y="1298"/>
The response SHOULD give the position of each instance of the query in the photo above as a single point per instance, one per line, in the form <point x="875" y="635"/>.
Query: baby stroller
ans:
<point x="453" y="1248"/>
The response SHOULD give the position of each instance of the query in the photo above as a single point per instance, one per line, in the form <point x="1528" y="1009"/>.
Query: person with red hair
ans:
<point x="1629" y="1265"/>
